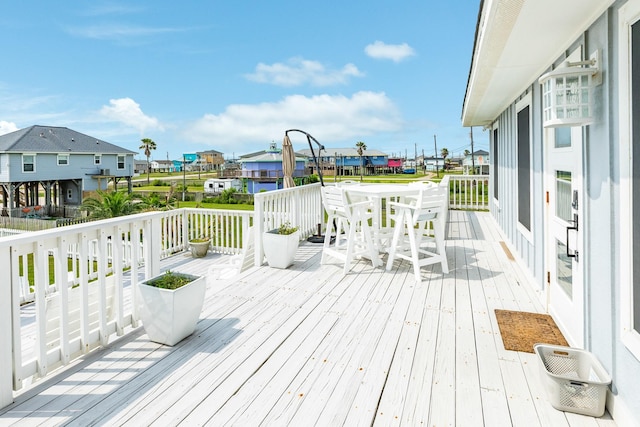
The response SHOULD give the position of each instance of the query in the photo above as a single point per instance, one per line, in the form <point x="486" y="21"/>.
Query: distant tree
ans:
<point x="444" y="153"/>
<point x="148" y="145"/>
<point x="467" y="152"/>
<point x="111" y="204"/>
<point x="361" y="147"/>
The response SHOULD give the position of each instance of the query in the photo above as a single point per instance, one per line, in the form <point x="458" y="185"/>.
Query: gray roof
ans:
<point x="268" y="156"/>
<point x="51" y="139"/>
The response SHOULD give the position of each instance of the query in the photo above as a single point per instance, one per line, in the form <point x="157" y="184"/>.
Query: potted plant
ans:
<point x="280" y="245"/>
<point x="171" y="305"/>
<point x="199" y="246"/>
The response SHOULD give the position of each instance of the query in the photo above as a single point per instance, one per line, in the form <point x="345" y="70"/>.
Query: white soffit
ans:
<point x="515" y="42"/>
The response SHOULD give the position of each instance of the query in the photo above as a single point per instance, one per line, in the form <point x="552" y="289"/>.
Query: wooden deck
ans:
<point x="310" y="346"/>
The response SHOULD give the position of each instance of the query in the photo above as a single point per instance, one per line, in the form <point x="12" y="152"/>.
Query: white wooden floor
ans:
<point x="308" y="346"/>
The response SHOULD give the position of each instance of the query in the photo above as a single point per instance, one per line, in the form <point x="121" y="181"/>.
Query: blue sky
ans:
<point x="234" y="75"/>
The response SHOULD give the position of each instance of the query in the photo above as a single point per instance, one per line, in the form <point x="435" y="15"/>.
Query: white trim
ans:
<point x="525" y="101"/>
<point x="124" y="162"/>
<point x="628" y="15"/>
<point x="97" y="157"/>
<point x="65" y="155"/>
<point x="34" y="162"/>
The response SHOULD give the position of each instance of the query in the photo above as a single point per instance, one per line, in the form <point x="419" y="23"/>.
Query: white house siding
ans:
<point x="600" y="216"/>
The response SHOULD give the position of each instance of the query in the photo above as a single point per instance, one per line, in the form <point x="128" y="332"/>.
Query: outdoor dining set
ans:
<point x="368" y="220"/>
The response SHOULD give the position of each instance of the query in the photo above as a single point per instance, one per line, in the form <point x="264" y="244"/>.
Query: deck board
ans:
<point x="310" y="346"/>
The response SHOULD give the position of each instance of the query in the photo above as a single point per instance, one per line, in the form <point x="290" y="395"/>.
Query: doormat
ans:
<point x="521" y="330"/>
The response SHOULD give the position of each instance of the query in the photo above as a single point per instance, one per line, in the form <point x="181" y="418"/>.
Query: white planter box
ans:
<point x="168" y="315"/>
<point x="280" y="249"/>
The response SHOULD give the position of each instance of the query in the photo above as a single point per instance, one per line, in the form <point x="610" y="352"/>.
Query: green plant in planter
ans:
<point x="286" y="228"/>
<point x="170" y="280"/>
<point x="201" y="239"/>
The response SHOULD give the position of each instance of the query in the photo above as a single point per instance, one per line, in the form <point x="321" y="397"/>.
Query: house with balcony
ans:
<point x="556" y="86"/>
<point x="262" y="171"/>
<point x="476" y="163"/>
<point x="210" y="159"/>
<point x="347" y="161"/>
<point x="52" y="167"/>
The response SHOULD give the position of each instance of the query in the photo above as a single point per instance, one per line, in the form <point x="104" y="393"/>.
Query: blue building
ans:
<point x="262" y="171"/>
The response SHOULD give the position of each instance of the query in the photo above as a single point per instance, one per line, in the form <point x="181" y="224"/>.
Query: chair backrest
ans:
<point x="335" y="202"/>
<point x="248" y="250"/>
<point x="429" y="204"/>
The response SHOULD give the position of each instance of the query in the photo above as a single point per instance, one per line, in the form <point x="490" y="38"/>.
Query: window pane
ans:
<point x="562" y="137"/>
<point x="563" y="195"/>
<point x="564" y="275"/>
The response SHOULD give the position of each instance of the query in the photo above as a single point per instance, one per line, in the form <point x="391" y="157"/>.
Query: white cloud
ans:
<point x="394" y="52"/>
<point x="329" y="118"/>
<point x="298" y="71"/>
<point x="128" y="112"/>
<point x="120" y="33"/>
<point x="7" y="127"/>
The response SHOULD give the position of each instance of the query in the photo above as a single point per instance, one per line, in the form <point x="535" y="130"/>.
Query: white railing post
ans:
<point x="258" y="226"/>
<point x="6" y="337"/>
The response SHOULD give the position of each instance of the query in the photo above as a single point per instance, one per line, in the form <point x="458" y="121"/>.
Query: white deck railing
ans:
<point x="80" y="279"/>
<point x="468" y="192"/>
<point x="300" y="206"/>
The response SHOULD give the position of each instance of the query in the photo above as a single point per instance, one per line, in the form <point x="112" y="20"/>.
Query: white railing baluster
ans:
<point x="62" y="285"/>
<point x="85" y="260"/>
<point x="10" y="319"/>
<point x="40" y="264"/>
<point x="102" y="292"/>
<point x="117" y="243"/>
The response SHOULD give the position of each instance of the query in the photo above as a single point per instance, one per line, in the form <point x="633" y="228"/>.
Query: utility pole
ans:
<point x="184" y="175"/>
<point x="435" y="146"/>
<point x="415" y="159"/>
<point x="473" y="157"/>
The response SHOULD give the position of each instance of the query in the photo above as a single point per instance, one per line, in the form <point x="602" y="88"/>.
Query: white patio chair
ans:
<point x="349" y="221"/>
<point x="412" y="238"/>
<point x="235" y="263"/>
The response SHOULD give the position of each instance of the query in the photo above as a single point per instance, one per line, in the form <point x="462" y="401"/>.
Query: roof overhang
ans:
<point x="515" y="42"/>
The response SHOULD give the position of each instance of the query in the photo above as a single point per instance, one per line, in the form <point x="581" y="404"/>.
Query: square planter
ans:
<point x="280" y="249"/>
<point x="170" y="315"/>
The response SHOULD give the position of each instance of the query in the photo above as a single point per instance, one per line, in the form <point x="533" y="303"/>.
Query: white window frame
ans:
<point x="61" y="156"/>
<point x="97" y="159"/>
<point x="124" y="161"/>
<point x="628" y="15"/>
<point x="520" y="105"/>
<point x="34" y="162"/>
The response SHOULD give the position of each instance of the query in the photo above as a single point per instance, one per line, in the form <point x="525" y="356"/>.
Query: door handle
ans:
<point x="574" y="227"/>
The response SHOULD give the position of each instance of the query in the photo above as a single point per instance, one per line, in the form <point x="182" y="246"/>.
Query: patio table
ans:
<point x="380" y="196"/>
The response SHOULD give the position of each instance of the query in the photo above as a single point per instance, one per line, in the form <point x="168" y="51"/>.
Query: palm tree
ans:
<point x="361" y="147"/>
<point x="148" y="144"/>
<point x="111" y="204"/>
<point x="444" y="153"/>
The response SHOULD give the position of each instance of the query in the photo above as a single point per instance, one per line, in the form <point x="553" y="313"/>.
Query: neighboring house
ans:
<point x="263" y="170"/>
<point x="476" y="164"/>
<point x="163" y="166"/>
<point x="431" y="163"/>
<point x="394" y="165"/>
<point x="55" y="166"/>
<point x="140" y="166"/>
<point x="210" y="159"/>
<point x="347" y="161"/>
<point x="565" y="178"/>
